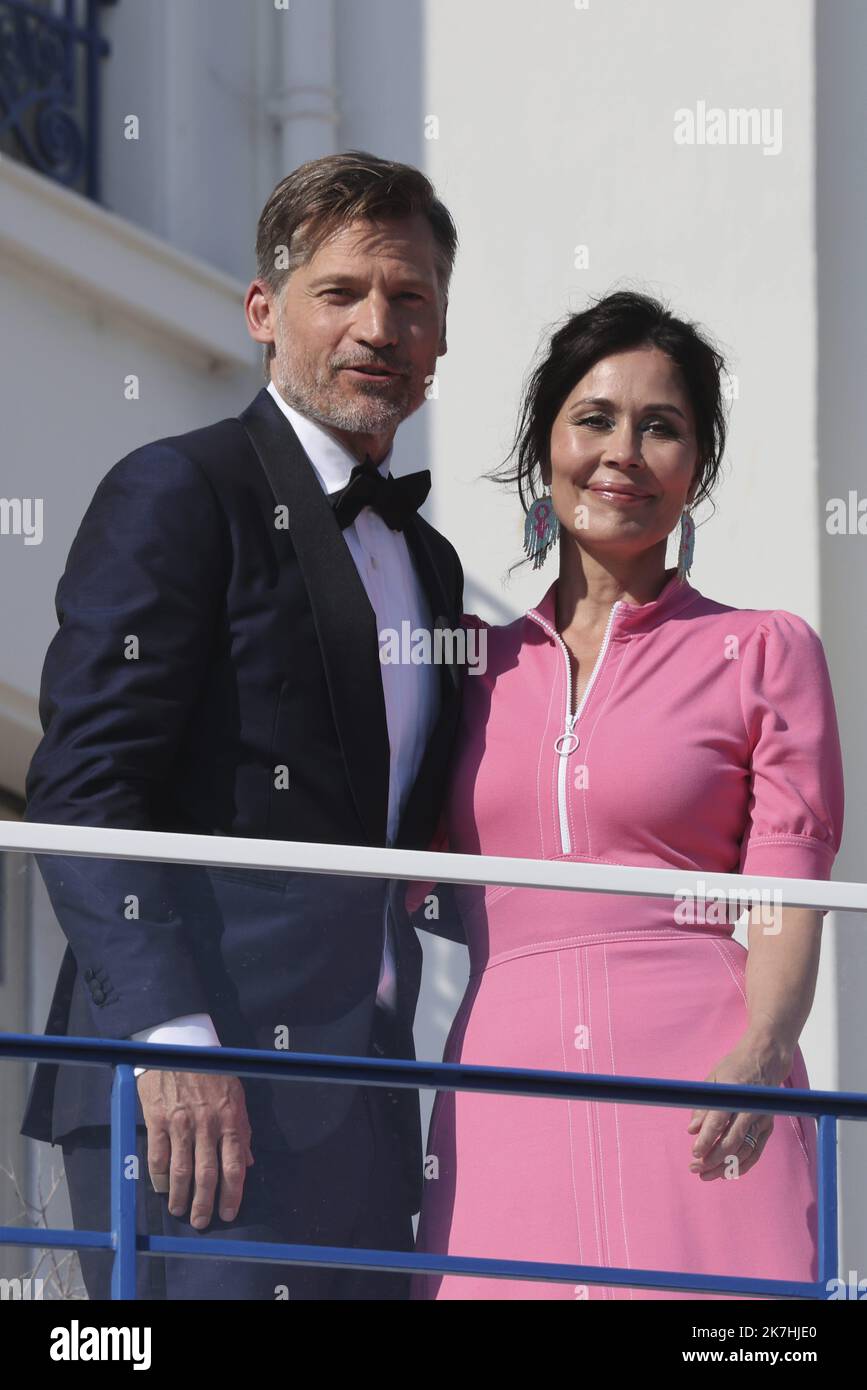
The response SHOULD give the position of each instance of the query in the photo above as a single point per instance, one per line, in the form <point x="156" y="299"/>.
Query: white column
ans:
<point x="305" y="102"/>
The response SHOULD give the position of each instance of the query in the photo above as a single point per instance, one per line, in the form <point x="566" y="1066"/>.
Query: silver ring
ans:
<point x="748" y="1139"/>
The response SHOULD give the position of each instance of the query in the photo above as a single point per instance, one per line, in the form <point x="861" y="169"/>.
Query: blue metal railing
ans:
<point x="826" y="1106"/>
<point x="50" y="87"/>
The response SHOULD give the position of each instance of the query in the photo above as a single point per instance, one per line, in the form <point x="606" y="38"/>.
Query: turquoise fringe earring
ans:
<point x="686" y="552"/>
<point x="540" y="530"/>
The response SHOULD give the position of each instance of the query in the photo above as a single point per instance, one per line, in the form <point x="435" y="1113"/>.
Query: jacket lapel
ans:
<point x="346" y="627"/>
<point x="421" y="808"/>
<point x="441" y="606"/>
<point x="344" y="619"/>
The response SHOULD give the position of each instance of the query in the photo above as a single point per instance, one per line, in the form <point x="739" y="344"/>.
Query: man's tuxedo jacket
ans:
<point x="203" y="646"/>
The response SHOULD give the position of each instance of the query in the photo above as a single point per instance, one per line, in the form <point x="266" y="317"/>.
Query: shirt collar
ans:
<point x="628" y="618"/>
<point x="332" y="462"/>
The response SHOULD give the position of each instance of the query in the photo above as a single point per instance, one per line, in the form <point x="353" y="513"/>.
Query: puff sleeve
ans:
<point x="795" y="813"/>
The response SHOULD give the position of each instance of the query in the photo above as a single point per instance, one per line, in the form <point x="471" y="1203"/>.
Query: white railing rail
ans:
<point x="428" y="866"/>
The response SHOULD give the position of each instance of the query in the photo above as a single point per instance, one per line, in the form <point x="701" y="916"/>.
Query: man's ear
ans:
<point x="259" y="311"/>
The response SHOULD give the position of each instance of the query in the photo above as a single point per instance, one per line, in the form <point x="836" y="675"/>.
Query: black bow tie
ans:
<point x="395" y="499"/>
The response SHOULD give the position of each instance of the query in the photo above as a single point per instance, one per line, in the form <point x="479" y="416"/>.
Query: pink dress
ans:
<point x="706" y="738"/>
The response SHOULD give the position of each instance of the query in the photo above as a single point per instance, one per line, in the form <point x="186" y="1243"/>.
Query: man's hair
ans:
<point x="321" y="196"/>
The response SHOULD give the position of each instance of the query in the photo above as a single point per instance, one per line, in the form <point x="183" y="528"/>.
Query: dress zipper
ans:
<point x="568" y="741"/>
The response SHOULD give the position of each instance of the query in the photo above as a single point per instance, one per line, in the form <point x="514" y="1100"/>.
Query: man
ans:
<point x="217" y="670"/>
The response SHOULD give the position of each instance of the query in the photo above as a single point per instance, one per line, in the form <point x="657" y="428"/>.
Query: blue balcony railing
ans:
<point x="50" y="55"/>
<point x="827" y="1107"/>
<point x="126" y="1243"/>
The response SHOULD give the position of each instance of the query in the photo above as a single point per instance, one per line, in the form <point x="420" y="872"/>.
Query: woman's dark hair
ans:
<point x="616" y="323"/>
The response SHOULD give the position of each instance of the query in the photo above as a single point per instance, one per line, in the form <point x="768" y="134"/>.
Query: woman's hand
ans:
<point x="721" y="1133"/>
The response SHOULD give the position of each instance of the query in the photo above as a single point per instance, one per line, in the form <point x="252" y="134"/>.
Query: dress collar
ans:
<point x="627" y="618"/>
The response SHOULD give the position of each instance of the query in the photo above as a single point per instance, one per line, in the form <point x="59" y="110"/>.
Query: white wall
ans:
<point x="198" y="76"/>
<point x="556" y="128"/>
<point x="841" y="280"/>
<point x="93" y="301"/>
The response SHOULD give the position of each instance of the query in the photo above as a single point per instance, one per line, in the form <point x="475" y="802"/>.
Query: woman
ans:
<point x="627" y="719"/>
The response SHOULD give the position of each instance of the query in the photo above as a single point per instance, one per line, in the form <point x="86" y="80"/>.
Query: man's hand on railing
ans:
<point x="198" y="1139"/>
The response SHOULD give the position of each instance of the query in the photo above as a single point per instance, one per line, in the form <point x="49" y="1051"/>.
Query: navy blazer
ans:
<point x="202" y="646"/>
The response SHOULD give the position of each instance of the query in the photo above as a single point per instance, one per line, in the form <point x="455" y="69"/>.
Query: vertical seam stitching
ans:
<point x="591" y="1121"/>
<point x="569" y="1116"/>
<point x="616" y="1119"/>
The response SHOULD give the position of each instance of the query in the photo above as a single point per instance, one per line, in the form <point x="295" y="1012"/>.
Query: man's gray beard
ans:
<point x="360" y="416"/>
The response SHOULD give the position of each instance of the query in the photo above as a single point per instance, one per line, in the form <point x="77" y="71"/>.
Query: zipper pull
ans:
<point x="560" y="745"/>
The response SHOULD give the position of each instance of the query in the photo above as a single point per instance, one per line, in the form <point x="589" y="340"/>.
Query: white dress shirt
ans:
<point x="411" y="691"/>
